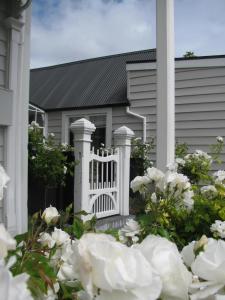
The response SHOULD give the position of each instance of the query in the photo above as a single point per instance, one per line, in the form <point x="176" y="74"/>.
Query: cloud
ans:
<point x="200" y="26"/>
<point x="68" y="30"/>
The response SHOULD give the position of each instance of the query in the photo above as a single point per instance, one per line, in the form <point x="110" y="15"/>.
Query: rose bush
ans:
<point x="62" y="256"/>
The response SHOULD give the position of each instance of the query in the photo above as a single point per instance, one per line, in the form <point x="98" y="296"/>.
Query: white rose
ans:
<point x="177" y="181"/>
<point x="13" y="288"/>
<point x="60" y="237"/>
<point x="219" y="139"/>
<point x="46" y="240"/>
<point x="3" y="181"/>
<point x="139" y="183"/>
<point x="154" y="174"/>
<point x="188" y="254"/>
<point x="110" y="270"/>
<point x="63" y="254"/>
<point x="6" y="242"/>
<point x="219" y="176"/>
<point x="218" y="228"/>
<point x="166" y="260"/>
<point x="66" y="272"/>
<point x="208" y="265"/>
<point x="50" y="215"/>
<point x="154" y="197"/>
<point x="180" y="161"/>
<point x="209" y="191"/>
<point x="130" y="230"/>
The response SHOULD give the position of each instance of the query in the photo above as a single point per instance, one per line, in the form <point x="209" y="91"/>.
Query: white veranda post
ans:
<point x="165" y="83"/>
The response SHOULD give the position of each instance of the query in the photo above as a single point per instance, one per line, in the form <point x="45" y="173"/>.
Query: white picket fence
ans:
<point x="102" y="177"/>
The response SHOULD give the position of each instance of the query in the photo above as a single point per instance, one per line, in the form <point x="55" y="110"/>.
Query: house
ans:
<point x="14" y="95"/>
<point x="121" y="90"/>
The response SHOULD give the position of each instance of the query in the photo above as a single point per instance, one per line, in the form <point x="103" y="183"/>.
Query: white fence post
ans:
<point x="82" y="130"/>
<point x="122" y="140"/>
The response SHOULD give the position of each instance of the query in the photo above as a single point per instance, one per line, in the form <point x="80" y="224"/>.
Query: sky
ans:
<point x="70" y="30"/>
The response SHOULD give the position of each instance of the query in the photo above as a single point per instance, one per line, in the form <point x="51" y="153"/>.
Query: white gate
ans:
<point x="104" y="182"/>
<point x="102" y="178"/>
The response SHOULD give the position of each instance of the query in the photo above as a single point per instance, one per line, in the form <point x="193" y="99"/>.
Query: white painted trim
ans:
<point x="143" y="118"/>
<point x="45" y="124"/>
<point x="35" y="108"/>
<point x="180" y="64"/>
<point x="85" y="113"/>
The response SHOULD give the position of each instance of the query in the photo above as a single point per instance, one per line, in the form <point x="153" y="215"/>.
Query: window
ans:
<point x="102" y="118"/>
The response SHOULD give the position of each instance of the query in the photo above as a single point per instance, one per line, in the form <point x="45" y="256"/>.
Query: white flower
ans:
<point x="64" y="169"/>
<point x="34" y="124"/>
<point x="209" y="191"/>
<point x="6" y="242"/>
<point x="188" y="254"/>
<point x="13" y="288"/>
<point x="177" y="181"/>
<point x="219" y="139"/>
<point x="166" y="260"/>
<point x="154" y="197"/>
<point x="219" y="176"/>
<point x="46" y="240"/>
<point x="139" y="183"/>
<point x="3" y="181"/>
<point x="64" y="145"/>
<point x="199" y="155"/>
<point x="60" y="237"/>
<point x="33" y="157"/>
<point x="109" y="270"/>
<point x="51" y="134"/>
<point x="130" y="230"/>
<point x="154" y="174"/>
<point x="209" y="266"/>
<point x="180" y="161"/>
<point x="66" y="272"/>
<point x="218" y="228"/>
<point x="50" y="215"/>
<point x="188" y="199"/>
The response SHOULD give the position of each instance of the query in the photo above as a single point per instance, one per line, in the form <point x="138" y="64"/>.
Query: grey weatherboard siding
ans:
<point x="200" y="106"/>
<point x="200" y="103"/>
<point x="3" y="49"/>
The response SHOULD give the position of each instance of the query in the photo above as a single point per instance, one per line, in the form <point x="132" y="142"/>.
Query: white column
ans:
<point x="165" y="83"/>
<point x="82" y="130"/>
<point x="17" y="134"/>
<point x="122" y="140"/>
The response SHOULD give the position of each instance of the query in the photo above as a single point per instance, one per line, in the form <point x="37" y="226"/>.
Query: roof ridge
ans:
<point x="94" y="59"/>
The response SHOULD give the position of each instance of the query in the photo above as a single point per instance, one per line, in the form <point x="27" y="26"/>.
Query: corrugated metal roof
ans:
<point x="81" y="84"/>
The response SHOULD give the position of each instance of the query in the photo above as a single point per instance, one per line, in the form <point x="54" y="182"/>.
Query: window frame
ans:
<point x="86" y="113"/>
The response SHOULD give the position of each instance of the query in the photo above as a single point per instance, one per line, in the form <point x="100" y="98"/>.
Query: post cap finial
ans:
<point x="124" y="131"/>
<point x="82" y="125"/>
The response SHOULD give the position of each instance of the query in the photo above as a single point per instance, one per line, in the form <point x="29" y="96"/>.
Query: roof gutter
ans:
<point x="139" y="117"/>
